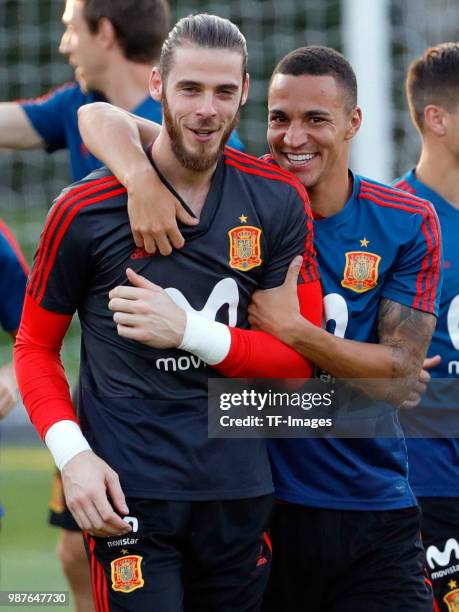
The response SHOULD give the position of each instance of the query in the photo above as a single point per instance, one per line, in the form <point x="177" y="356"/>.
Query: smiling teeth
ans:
<point x="296" y="159"/>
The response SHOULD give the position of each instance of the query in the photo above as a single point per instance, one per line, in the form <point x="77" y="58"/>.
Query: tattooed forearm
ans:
<point x="408" y="332"/>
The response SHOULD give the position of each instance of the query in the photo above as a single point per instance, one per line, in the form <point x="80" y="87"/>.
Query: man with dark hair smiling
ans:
<point x="194" y="537"/>
<point x="348" y="536"/>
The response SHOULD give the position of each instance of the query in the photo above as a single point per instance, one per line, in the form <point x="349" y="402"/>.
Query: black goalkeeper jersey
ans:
<point x="144" y="410"/>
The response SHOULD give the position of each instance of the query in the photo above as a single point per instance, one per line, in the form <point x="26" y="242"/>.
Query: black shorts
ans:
<point x="346" y="561"/>
<point x="185" y="556"/>
<point x="59" y="514"/>
<point x="440" y="534"/>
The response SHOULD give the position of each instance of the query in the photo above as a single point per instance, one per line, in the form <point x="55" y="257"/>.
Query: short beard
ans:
<point x="197" y="163"/>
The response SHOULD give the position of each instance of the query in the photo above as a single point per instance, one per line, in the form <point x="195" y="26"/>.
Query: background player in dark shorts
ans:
<point x="433" y="97"/>
<point x="349" y="499"/>
<point x="150" y="424"/>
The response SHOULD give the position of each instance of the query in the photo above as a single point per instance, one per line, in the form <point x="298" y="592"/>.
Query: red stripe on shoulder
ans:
<point x="5" y="230"/>
<point x="266" y="171"/>
<point x="48" y="94"/>
<point x="257" y="162"/>
<point x="430" y="269"/>
<point x="57" y="213"/>
<point x="63" y="215"/>
<point x="393" y="195"/>
<point x="405" y="186"/>
<point x="265" y="165"/>
<point x="271" y="167"/>
<point x="65" y="225"/>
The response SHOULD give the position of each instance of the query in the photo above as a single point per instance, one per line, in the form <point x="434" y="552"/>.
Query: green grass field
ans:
<point x="27" y="542"/>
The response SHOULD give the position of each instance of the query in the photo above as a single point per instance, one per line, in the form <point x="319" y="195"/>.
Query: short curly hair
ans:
<point x="203" y="30"/>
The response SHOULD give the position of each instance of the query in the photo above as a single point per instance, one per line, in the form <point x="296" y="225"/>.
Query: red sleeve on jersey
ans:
<point x="257" y="354"/>
<point x="311" y="303"/>
<point x="39" y="371"/>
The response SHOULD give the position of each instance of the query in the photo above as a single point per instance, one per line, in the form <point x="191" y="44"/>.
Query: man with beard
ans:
<point x="112" y="46"/>
<point x="346" y="533"/>
<point x="198" y="508"/>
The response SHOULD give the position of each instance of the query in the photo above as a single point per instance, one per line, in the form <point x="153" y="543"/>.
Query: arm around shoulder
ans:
<point x="116" y="137"/>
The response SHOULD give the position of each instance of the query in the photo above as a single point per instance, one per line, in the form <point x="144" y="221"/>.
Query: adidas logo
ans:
<point x="262" y="560"/>
<point x="140" y="254"/>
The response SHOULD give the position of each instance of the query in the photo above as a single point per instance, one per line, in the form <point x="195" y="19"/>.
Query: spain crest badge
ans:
<point x="452" y="600"/>
<point x="361" y="271"/>
<point x="245" y="252"/>
<point x="127" y="573"/>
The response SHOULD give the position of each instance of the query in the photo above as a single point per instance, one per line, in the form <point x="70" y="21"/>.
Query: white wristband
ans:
<point x="207" y="339"/>
<point x="65" y="440"/>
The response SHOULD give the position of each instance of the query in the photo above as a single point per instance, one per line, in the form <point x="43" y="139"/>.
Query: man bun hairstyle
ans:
<point x="203" y="30"/>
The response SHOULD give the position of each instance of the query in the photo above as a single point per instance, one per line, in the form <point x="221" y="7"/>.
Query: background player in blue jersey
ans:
<point x="13" y="277"/>
<point x="108" y="43"/>
<point x="433" y="95"/>
<point x="348" y="536"/>
<point x="198" y="506"/>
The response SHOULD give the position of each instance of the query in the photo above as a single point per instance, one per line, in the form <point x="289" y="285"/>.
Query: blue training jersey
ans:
<point x="434" y="462"/>
<point x="382" y="244"/>
<point x="13" y="278"/>
<point x="55" y="117"/>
